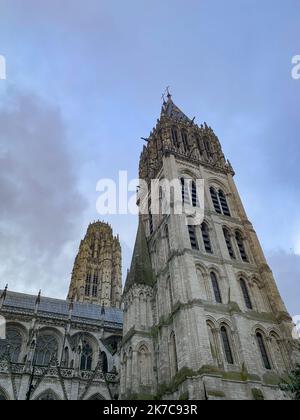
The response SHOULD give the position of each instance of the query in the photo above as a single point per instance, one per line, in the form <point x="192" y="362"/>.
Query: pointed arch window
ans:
<point x="208" y="148"/>
<point x="220" y="202"/>
<point x="95" y="284"/>
<point x="185" y="141"/>
<point x="46" y="348"/>
<point x="175" y="137"/>
<point x="241" y="246"/>
<point x="246" y="294"/>
<point x="193" y="237"/>
<point x="227" y="346"/>
<point x="228" y="241"/>
<point x="224" y="204"/>
<point x="47" y="396"/>
<point x="216" y="288"/>
<point x="195" y="200"/>
<point x="88" y="283"/>
<point x="215" y="200"/>
<point x="200" y="147"/>
<point x="14" y="343"/>
<point x="185" y="191"/>
<point x="263" y="351"/>
<point x="206" y="238"/>
<point x="86" y="357"/>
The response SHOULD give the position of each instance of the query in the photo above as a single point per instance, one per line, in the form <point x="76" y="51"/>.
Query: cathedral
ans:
<point x="67" y="349"/>
<point x="200" y="316"/>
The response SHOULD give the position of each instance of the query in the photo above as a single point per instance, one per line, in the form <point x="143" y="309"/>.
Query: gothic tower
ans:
<point x="203" y="318"/>
<point x="96" y="276"/>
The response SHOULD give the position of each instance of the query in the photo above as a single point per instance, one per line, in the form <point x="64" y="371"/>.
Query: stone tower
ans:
<point x="203" y="318"/>
<point x="96" y="276"/>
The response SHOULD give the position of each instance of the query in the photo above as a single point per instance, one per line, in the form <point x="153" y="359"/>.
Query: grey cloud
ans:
<point x="40" y="207"/>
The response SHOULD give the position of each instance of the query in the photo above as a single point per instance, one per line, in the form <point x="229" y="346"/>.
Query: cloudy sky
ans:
<point x="84" y="83"/>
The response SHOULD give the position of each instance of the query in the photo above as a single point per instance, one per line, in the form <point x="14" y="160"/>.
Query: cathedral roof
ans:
<point x="59" y="309"/>
<point x="141" y="269"/>
<point x="169" y="109"/>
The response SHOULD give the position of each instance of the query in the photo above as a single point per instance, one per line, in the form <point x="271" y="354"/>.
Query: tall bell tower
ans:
<point x="203" y="318"/>
<point x="96" y="276"/>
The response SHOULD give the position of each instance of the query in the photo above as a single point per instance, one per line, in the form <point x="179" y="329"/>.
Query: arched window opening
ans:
<point x="229" y="243"/>
<point x="208" y="148"/>
<point x="216" y="288"/>
<point x="195" y="200"/>
<point x="185" y="141"/>
<point x="47" y="396"/>
<point x="46" y="348"/>
<point x="86" y="357"/>
<point x="215" y="200"/>
<point x="241" y="246"/>
<point x="246" y="295"/>
<point x="227" y="346"/>
<point x="263" y="351"/>
<point x="104" y="362"/>
<point x="200" y="147"/>
<point x="88" y="284"/>
<point x="175" y="137"/>
<point x="95" y="284"/>
<point x="173" y="356"/>
<point x="14" y="344"/>
<point x="185" y="191"/>
<point x="193" y="237"/>
<point x="224" y="204"/>
<point x="206" y="238"/>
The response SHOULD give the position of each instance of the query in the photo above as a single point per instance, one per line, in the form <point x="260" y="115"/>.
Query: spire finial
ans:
<point x="169" y="95"/>
<point x="3" y="296"/>
<point x="4" y="291"/>
<point x="166" y="93"/>
<point x="38" y="299"/>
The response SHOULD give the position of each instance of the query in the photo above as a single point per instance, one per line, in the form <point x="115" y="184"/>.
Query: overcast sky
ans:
<point x="84" y="83"/>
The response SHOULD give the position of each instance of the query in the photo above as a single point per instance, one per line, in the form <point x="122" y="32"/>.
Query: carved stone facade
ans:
<point x="65" y="350"/>
<point x="203" y="318"/>
<point x="97" y="277"/>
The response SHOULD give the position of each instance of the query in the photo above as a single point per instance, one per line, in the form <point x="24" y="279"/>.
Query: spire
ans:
<point x="141" y="269"/>
<point x="170" y="110"/>
<point x="37" y="302"/>
<point x="3" y="296"/>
